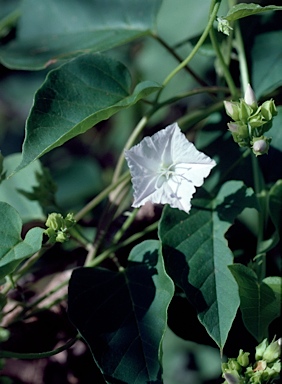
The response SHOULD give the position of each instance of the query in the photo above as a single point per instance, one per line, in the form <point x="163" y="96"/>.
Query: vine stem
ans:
<point x="101" y="196"/>
<point x="104" y="255"/>
<point x="226" y="72"/>
<point x="258" y="179"/>
<point x="214" y="6"/>
<point x="38" y="355"/>
<point x="131" y="140"/>
<point x="178" y="58"/>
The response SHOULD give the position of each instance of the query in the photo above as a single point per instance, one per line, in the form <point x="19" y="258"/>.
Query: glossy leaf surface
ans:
<point x="197" y="256"/>
<point x="122" y="315"/>
<point x="74" y="98"/>
<point x="260" y="303"/>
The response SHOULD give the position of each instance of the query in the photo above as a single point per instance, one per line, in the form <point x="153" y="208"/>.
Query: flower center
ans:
<point x="164" y="173"/>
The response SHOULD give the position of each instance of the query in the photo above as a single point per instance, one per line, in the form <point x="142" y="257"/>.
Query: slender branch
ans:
<point x="197" y="46"/>
<point x="226" y="72"/>
<point x="136" y="132"/>
<point x="104" y="255"/>
<point x="178" y="58"/>
<point x="38" y="355"/>
<point x="88" y="207"/>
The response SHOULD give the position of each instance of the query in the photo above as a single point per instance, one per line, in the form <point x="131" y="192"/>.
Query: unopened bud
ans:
<point x="232" y="109"/>
<point x="260" y="349"/>
<point x="250" y="97"/>
<point x="272" y="352"/>
<point x="268" y="110"/>
<point x="223" y="26"/>
<point x="55" y="221"/>
<point x="260" y="145"/>
<point x="69" y="220"/>
<point x="243" y="358"/>
<point x="62" y="237"/>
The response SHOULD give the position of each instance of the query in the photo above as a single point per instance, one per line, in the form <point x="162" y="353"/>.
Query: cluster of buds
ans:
<point x="266" y="368"/>
<point x="251" y="121"/>
<point x="58" y="227"/>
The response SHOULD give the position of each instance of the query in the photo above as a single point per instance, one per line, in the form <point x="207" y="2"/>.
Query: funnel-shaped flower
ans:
<point x="166" y="168"/>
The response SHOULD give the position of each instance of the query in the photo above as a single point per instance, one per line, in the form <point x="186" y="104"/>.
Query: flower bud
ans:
<point x="69" y="220"/>
<point x="272" y="352"/>
<point x="233" y="127"/>
<point x="62" y="237"/>
<point x="245" y="111"/>
<point x="55" y="221"/>
<point x="223" y="26"/>
<point x="232" y="109"/>
<point x="268" y="110"/>
<point x="260" y="349"/>
<point x="233" y="365"/>
<point x="243" y="358"/>
<point x="260" y="145"/>
<point x="250" y="97"/>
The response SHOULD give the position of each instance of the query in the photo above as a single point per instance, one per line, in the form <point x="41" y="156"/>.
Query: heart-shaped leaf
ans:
<point x="13" y="248"/>
<point x="260" y="302"/>
<point x="74" y="98"/>
<point x="53" y="30"/>
<point x="197" y="256"/>
<point x="122" y="315"/>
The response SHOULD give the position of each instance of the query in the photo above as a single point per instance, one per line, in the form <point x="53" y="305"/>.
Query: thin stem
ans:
<point x="258" y="179"/>
<point x="136" y="132"/>
<point x="215" y="6"/>
<point x="88" y="207"/>
<point x="226" y="72"/>
<point x="178" y="58"/>
<point x="38" y="355"/>
<point x="195" y="91"/>
<point x="104" y="255"/>
<point x="244" y="71"/>
<point x="125" y="226"/>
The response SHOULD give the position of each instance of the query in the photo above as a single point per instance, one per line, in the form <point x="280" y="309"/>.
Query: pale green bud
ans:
<point x="272" y="352"/>
<point x="260" y="349"/>
<point x="245" y="111"/>
<point x="250" y="97"/>
<point x="233" y="365"/>
<point x="69" y="220"/>
<point x="232" y="109"/>
<point x="243" y="358"/>
<point x="55" y="221"/>
<point x="268" y="110"/>
<point x="62" y="237"/>
<point x="260" y="145"/>
<point x="223" y="26"/>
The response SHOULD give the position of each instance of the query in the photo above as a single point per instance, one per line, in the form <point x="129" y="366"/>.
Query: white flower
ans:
<point x="166" y="168"/>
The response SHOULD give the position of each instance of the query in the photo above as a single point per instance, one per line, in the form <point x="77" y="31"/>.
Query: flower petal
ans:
<point x="166" y="168"/>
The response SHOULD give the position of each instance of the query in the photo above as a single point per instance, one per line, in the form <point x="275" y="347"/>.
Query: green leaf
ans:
<point x="197" y="255"/>
<point x="275" y="204"/>
<point x="25" y="179"/>
<point x="260" y="303"/>
<point x="266" y="53"/>
<point x="122" y="315"/>
<point x="13" y="248"/>
<point x="53" y="30"/>
<point x="243" y="10"/>
<point x="74" y="98"/>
